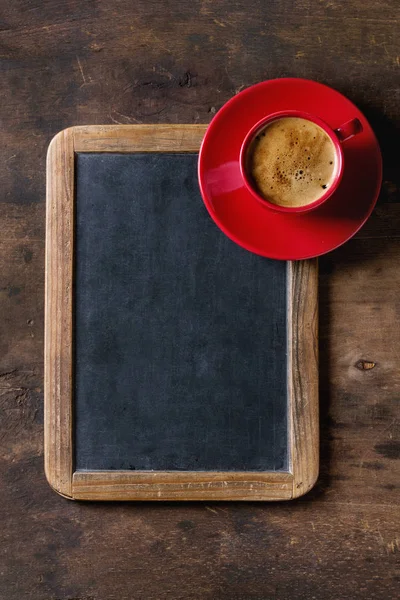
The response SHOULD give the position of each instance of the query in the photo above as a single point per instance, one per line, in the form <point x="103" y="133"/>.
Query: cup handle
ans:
<point x="349" y="130"/>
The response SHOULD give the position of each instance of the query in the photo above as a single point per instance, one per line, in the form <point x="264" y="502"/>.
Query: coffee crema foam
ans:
<point x="292" y="162"/>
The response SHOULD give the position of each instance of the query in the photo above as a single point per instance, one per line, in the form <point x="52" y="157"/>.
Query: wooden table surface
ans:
<point x="149" y="61"/>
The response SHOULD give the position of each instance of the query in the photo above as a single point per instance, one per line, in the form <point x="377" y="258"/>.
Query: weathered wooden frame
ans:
<point x="136" y="485"/>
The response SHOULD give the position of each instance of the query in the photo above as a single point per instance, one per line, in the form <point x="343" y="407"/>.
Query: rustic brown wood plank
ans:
<point x="303" y="373"/>
<point x="358" y="324"/>
<point x="110" y="485"/>
<point x="138" y="138"/>
<point x="58" y="346"/>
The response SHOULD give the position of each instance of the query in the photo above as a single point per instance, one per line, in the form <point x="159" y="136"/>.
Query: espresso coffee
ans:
<point x="292" y="162"/>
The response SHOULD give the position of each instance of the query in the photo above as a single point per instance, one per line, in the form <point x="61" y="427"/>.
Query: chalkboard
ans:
<point x="180" y="335"/>
<point x="181" y="341"/>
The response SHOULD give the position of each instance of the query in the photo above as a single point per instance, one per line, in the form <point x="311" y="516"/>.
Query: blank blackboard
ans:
<point x="178" y="365"/>
<point x="180" y="335"/>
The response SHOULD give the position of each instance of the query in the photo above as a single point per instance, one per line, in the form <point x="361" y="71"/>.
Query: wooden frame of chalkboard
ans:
<point x="302" y="375"/>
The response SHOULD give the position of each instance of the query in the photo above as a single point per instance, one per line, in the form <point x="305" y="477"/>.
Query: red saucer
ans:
<point x="256" y="227"/>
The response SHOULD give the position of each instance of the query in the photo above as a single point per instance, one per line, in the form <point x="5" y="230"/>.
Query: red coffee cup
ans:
<point x="337" y="136"/>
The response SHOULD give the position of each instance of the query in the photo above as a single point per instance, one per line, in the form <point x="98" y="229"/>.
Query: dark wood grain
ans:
<point x="78" y="63"/>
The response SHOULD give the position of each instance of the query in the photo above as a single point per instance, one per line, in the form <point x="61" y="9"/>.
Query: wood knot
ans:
<point x="186" y="80"/>
<point x="365" y="365"/>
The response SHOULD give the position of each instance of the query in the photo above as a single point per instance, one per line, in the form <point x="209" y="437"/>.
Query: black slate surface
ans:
<point x="180" y="335"/>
